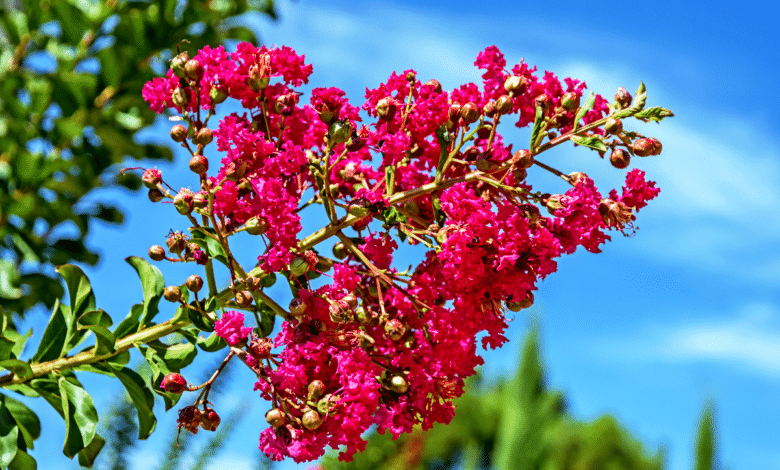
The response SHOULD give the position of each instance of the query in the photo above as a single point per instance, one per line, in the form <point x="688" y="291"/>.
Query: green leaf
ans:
<point x="82" y="300"/>
<point x="198" y="320"/>
<point x="176" y="356"/>
<point x="212" y="344"/>
<point x="159" y="371"/>
<point x="705" y="441"/>
<point x="88" y="454"/>
<point x="54" y="336"/>
<point x="153" y="285"/>
<point x="142" y="399"/>
<point x="537" y="133"/>
<point x="593" y="142"/>
<point x="442" y="138"/>
<point x="80" y="417"/>
<point x="268" y="280"/>
<point x="130" y="323"/>
<point x="389" y="179"/>
<point x="267" y="318"/>
<point x="19" y="368"/>
<point x="9" y="280"/>
<point x="98" y="322"/>
<point x="208" y="244"/>
<point x="26" y="420"/>
<point x="393" y="217"/>
<point x="589" y="103"/>
<point x="638" y="105"/>
<point x="9" y="433"/>
<point x="653" y="114"/>
<point x="6" y="348"/>
<point x="23" y="461"/>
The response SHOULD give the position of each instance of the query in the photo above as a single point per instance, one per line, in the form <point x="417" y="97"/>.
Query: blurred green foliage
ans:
<point x="518" y="425"/>
<point x="71" y="74"/>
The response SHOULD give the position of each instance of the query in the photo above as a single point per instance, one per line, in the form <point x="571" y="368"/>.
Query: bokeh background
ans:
<point x="686" y="311"/>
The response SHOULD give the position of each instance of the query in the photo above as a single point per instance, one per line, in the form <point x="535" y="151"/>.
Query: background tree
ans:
<point x="71" y="75"/>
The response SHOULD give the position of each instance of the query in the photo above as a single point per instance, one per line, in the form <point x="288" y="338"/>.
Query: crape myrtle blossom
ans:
<point x="368" y="344"/>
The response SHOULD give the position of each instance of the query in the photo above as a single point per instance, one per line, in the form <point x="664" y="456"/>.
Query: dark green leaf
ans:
<point x="212" y="344"/>
<point x="153" y="285"/>
<point x="19" y="368"/>
<point x="54" y="335"/>
<point x="705" y="441"/>
<point x="9" y="280"/>
<point x="159" y="371"/>
<point x="593" y="142"/>
<point x="441" y="137"/>
<point x="82" y="300"/>
<point x="211" y="304"/>
<point x="268" y="280"/>
<point x="176" y="356"/>
<point x="199" y="321"/>
<point x="130" y="323"/>
<point x="208" y="244"/>
<point x="80" y="417"/>
<point x="88" y="454"/>
<point x="9" y="433"/>
<point x="589" y="103"/>
<point x="267" y="318"/>
<point x="537" y="134"/>
<point x="653" y="114"/>
<point x="98" y="322"/>
<point x="26" y="420"/>
<point x="393" y="217"/>
<point x="6" y="348"/>
<point x="142" y="399"/>
<point x="23" y="461"/>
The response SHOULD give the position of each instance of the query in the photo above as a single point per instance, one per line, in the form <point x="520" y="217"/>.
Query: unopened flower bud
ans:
<point x="340" y="251"/>
<point x="469" y="113"/>
<point x="620" y="159"/>
<point x="193" y="70"/>
<point x="256" y="80"/>
<point x="351" y="300"/>
<point x="311" y="420"/>
<point x="340" y="312"/>
<point x="643" y="147"/>
<point x="386" y="108"/>
<point x="520" y="175"/>
<point x="554" y="203"/>
<point x="515" y="85"/>
<point x="234" y="171"/>
<point x="217" y="95"/>
<point x="256" y="225"/>
<point x="177" y="64"/>
<point x="613" y="126"/>
<point x="576" y="176"/>
<point x="435" y="84"/>
<point x="623" y="97"/>
<point x="489" y="109"/>
<point x="209" y="420"/>
<point x="657" y="147"/>
<point x="200" y="201"/>
<point x="297" y="307"/>
<point x="155" y="195"/>
<point x="276" y="417"/>
<point x="180" y="97"/>
<point x="523" y="159"/>
<point x="194" y="283"/>
<point x="543" y="101"/>
<point x="174" y="383"/>
<point x="178" y="133"/>
<point x="244" y="298"/>
<point x="299" y="266"/>
<point x="205" y="136"/>
<point x="156" y="253"/>
<point x="504" y="104"/>
<point x="316" y="390"/>
<point x="199" y="164"/>
<point x="398" y="384"/>
<point x="394" y="329"/>
<point x="410" y="76"/>
<point x="340" y="131"/>
<point x="151" y="177"/>
<point x="516" y="306"/>
<point x="172" y="293"/>
<point x="176" y="242"/>
<point x="570" y="101"/>
<point x="359" y="210"/>
<point x="261" y="348"/>
<point x="454" y="112"/>
<point x="183" y="203"/>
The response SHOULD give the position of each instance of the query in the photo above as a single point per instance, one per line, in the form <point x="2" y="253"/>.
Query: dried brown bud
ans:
<point x="522" y="304"/>
<point x="544" y="102"/>
<point x="176" y="242"/>
<point x="489" y="109"/>
<point x="657" y="147"/>
<point x="155" y="195"/>
<point x="178" y="133"/>
<point x="156" y="253"/>
<point x="620" y="159"/>
<point x="194" y="283"/>
<point x="523" y="159"/>
<point x="351" y="300"/>
<point x="172" y="293"/>
<point x="454" y="112"/>
<point x="174" y="383"/>
<point x="209" y="420"/>
<point x="244" y="298"/>
<point x="234" y="171"/>
<point x="177" y="64"/>
<point x="180" y="97"/>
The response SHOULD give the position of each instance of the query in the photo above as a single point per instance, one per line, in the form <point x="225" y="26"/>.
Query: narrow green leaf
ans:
<point x="705" y="441"/>
<point x="176" y="356"/>
<point x="88" y="454"/>
<point x="267" y="318"/>
<point x="9" y="280"/>
<point x="142" y="399"/>
<point x="6" y="348"/>
<point x="19" y="368"/>
<point x="389" y="179"/>
<point x="159" y="371"/>
<point x="27" y="421"/>
<point x="593" y="142"/>
<point x="589" y="103"/>
<point x="54" y="335"/>
<point x="198" y="320"/>
<point x="9" y="433"/>
<point x="80" y="417"/>
<point x="82" y="300"/>
<point x="537" y="132"/>
<point x="98" y="322"/>
<point x="442" y="138"/>
<point x="153" y="285"/>
<point x="19" y="340"/>
<point x="131" y="322"/>
<point x="212" y="344"/>
<point x="23" y="461"/>
<point x="653" y="114"/>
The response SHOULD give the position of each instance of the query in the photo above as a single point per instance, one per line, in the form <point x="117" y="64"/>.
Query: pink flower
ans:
<point x="231" y="327"/>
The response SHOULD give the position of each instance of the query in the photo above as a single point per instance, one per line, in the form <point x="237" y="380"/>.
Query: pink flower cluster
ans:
<point x="374" y="345"/>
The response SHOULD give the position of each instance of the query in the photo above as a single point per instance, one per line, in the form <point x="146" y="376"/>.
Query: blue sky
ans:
<point x="687" y="310"/>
